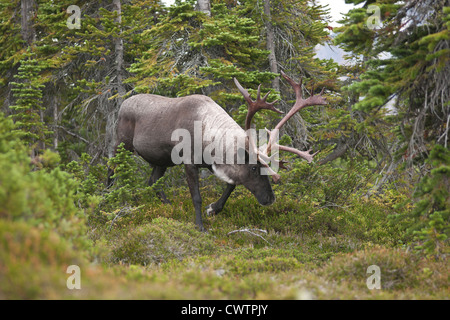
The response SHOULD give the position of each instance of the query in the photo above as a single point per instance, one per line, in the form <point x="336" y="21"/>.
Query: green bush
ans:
<point x="325" y="184"/>
<point x="432" y="211"/>
<point x="29" y="191"/>
<point x="130" y="185"/>
<point x="33" y="261"/>
<point x="90" y="180"/>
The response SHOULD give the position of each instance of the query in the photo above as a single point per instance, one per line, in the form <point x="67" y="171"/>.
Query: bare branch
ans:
<point x="72" y="134"/>
<point x="251" y="232"/>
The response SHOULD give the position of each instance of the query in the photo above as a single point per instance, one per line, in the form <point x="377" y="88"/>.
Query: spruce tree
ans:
<point x="432" y="212"/>
<point x="11" y="42"/>
<point x="404" y="84"/>
<point x="98" y="54"/>
<point x="28" y="108"/>
<point x="406" y="64"/>
<point x="191" y="52"/>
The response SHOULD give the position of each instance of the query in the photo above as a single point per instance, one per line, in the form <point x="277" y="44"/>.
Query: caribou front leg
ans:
<point x="216" y="207"/>
<point x="192" y="180"/>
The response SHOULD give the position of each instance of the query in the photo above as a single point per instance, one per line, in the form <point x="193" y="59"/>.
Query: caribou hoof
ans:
<point x="210" y="211"/>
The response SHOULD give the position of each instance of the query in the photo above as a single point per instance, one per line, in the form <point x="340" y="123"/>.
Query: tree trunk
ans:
<point x="271" y="45"/>
<point x="118" y="44"/>
<point x="204" y="6"/>
<point x="27" y="11"/>
<point x="54" y="102"/>
<point x="112" y="116"/>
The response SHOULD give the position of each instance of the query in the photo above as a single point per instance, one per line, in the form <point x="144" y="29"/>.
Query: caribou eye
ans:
<point x="254" y="168"/>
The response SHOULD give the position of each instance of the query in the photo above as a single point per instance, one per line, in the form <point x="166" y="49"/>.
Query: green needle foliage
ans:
<point x="401" y="55"/>
<point x="432" y="211"/>
<point x="28" y="108"/>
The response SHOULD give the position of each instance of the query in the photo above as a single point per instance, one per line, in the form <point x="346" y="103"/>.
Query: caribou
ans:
<point x="147" y="123"/>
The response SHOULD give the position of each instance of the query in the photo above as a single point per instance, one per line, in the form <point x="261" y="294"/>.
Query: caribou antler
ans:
<point x="300" y="103"/>
<point x="254" y="106"/>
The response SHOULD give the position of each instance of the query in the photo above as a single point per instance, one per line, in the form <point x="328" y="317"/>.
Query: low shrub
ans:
<point x="33" y="261"/>
<point x="37" y="191"/>
<point x="399" y="270"/>
<point x="159" y="241"/>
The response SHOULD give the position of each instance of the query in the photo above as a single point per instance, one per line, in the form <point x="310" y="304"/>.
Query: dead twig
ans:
<point x="251" y="231"/>
<point x="122" y="212"/>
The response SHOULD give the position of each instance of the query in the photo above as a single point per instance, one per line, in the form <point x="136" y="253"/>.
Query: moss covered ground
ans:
<point x="294" y="249"/>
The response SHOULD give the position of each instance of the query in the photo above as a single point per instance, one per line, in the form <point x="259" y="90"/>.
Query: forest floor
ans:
<point x="294" y="249"/>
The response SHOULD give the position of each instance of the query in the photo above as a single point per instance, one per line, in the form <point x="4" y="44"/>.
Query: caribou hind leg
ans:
<point x="193" y="183"/>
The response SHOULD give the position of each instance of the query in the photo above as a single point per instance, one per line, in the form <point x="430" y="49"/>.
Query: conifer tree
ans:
<point x="11" y="43"/>
<point x="290" y="31"/>
<point x="95" y="60"/>
<point x="406" y="66"/>
<point x="193" y="53"/>
<point x="169" y="51"/>
<point x="46" y="24"/>
<point x="432" y="213"/>
<point x="28" y="109"/>
<point x="404" y="84"/>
